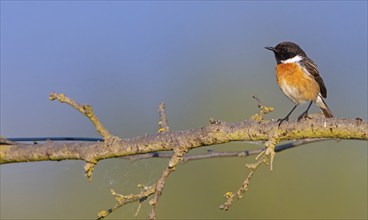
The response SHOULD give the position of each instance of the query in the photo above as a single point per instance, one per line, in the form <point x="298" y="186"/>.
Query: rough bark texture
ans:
<point x="217" y="132"/>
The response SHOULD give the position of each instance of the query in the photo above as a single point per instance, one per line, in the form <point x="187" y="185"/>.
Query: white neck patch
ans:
<point x="295" y="59"/>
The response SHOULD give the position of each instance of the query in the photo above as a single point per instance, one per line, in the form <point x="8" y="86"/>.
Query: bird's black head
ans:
<point x="287" y="50"/>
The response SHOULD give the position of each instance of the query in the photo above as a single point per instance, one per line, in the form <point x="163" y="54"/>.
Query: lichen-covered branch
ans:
<point x="212" y="134"/>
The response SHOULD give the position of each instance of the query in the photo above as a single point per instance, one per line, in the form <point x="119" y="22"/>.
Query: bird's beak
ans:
<point x="270" y="48"/>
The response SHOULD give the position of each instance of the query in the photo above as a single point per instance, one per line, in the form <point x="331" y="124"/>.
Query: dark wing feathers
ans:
<point x="312" y="69"/>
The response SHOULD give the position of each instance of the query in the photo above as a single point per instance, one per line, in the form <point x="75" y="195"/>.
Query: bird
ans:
<point x="298" y="78"/>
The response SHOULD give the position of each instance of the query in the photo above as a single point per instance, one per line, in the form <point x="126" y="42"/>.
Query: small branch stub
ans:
<point x="162" y="123"/>
<point x="88" y="169"/>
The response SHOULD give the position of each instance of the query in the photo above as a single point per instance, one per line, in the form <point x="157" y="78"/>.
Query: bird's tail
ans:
<point x="323" y="106"/>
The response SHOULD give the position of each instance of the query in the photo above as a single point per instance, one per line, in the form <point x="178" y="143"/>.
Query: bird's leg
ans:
<point x="287" y="116"/>
<point x="305" y="114"/>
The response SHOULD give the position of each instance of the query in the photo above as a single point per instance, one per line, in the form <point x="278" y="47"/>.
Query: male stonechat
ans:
<point x="298" y="78"/>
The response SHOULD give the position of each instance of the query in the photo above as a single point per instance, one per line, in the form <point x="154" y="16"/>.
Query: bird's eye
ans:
<point x="285" y="50"/>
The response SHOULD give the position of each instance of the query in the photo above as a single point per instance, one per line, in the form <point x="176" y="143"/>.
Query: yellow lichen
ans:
<point x="161" y="130"/>
<point x="228" y="194"/>
<point x="102" y="214"/>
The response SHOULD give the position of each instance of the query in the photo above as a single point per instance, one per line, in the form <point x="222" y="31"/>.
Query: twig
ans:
<point x="266" y="156"/>
<point x="176" y="158"/>
<point x="125" y="199"/>
<point x="259" y="101"/>
<point x="86" y="110"/>
<point x="262" y="110"/>
<point x="239" y="194"/>
<point x="159" y="187"/>
<point x="162" y="123"/>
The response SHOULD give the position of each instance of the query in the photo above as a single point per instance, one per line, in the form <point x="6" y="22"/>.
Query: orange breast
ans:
<point x="297" y="85"/>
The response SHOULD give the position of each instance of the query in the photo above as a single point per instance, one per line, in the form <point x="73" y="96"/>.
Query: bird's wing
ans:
<point x="311" y="67"/>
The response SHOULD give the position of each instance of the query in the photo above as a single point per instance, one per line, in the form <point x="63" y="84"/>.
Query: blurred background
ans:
<point x="203" y="59"/>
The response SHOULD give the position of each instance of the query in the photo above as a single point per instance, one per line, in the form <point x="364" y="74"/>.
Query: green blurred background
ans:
<point x="203" y="59"/>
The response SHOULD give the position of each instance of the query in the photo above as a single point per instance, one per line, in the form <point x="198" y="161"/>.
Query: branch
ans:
<point x="212" y="134"/>
<point x="87" y="110"/>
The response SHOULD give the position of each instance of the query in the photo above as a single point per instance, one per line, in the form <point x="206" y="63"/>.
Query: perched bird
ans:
<point x="298" y="78"/>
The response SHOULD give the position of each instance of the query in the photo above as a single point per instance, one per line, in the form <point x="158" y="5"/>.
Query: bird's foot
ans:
<point x="282" y="120"/>
<point x="304" y="115"/>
